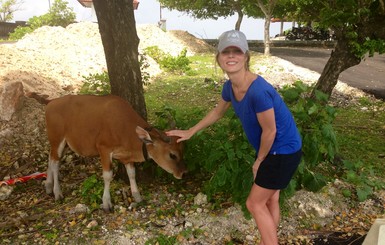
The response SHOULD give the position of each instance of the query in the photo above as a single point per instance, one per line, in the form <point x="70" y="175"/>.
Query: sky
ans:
<point x="149" y="12"/>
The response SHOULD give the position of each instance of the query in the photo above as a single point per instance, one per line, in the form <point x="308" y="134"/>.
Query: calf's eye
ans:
<point x="172" y="156"/>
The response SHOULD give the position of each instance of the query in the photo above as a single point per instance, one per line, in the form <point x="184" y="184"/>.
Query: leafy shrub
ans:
<point x="179" y="64"/>
<point x="20" y="32"/>
<point x="314" y="119"/>
<point x="362" y="177"/>
<point x="224" y="153"/>
<point x="143" y="63"/>
<point x="98" y="84"/>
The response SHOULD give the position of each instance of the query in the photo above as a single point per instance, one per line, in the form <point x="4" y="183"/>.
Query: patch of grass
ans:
<point x="361" y="135"/>
<point x="196" y="92"/>
<point x="162" y="240"/>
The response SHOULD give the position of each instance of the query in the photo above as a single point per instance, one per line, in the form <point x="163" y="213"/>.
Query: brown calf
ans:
<point x="106" y="126"/>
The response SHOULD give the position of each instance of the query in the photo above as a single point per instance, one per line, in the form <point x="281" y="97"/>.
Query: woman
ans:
<point x="269" y="127"/>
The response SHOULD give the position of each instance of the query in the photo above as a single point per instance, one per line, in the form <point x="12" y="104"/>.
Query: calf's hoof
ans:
<point x="48" y="188"/>
<point x="137" y="197"/>
<point x="58" y="196"/>
<point x="107" y="207"/>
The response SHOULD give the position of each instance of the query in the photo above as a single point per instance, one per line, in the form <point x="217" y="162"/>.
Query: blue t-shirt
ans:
<point x="260" y="97"/>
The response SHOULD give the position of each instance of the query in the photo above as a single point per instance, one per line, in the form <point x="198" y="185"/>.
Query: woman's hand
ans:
<point x="256" y="165"/>
<point x="182" y="134"/>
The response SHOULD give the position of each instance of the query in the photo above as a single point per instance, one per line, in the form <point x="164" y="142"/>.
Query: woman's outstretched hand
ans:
<point x="182" y="134"/>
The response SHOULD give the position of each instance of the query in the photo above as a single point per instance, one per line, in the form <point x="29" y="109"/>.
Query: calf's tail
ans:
<point x="41" y="98"/>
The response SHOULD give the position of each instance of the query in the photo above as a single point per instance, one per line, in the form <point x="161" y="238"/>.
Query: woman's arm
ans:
<point x="211" y="117"/>
<point x="267" y="121"/>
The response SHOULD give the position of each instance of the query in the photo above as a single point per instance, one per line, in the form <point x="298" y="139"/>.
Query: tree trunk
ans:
<point x="267" y="11"/>
<point x="281" y="29"/>
<point x="239" y="20"/>
<point x="267" y="41"/>
<point x="120" y="41"/>
<point x="340" y="60"/>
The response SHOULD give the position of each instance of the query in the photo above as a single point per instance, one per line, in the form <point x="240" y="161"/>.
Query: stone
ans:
<point x="11" y="99"/>
<point x="200" y="199"/>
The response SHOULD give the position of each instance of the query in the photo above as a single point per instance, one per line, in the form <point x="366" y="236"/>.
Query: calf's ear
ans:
<point x="143" y="135"/>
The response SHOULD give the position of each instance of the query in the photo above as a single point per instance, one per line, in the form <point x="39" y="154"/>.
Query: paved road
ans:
<point x="369" y="75"/>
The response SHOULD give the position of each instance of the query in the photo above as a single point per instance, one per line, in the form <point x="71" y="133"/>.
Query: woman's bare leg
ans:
<point x="263" y="206"/>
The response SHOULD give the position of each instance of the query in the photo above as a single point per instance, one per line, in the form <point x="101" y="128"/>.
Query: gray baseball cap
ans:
<point x="233" y="38"/>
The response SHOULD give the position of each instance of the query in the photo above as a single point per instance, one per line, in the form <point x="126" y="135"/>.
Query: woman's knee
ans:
<point x="249" y="205"/>
<point x="254" y="204"/>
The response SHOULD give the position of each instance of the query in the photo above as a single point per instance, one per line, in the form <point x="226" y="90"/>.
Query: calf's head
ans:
<point x="163" y="150"/>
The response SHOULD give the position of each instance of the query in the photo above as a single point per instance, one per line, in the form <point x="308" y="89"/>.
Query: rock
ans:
<point x="200" y="199"/>
<point x="11" y="99"/>
<point x="5" y="192"/>
<point x="92" y="224"/>
<point x="81" y="208"/>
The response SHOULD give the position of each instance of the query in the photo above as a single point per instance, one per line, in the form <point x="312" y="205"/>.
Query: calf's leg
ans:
<point x="52" y="182"/>
<point x="130" y="167"/>
<point x="54" y="166"/>
<point x="106" y="159"/>
<point x="49" y="180"/>
<point x="107" y="176"/>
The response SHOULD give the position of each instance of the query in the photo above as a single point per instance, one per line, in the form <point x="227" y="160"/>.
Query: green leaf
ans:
<point x="363" y="193"/>
<point x="313" y="109"/>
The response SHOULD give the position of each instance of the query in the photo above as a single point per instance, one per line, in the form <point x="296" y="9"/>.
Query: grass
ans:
<point x="361" y="135"/>
<point x="198" y="91"/>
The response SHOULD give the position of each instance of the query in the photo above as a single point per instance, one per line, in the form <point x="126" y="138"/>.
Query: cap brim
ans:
<point x="220" y="49"/>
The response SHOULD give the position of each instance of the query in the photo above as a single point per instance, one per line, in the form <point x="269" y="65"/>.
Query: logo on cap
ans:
<point x="233" y="38"/>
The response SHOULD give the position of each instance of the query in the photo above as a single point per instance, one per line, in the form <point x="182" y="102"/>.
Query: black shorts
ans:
<point x="276" y="171"/>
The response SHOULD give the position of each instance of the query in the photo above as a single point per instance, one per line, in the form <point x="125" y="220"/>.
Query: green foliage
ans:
<point x="7" y="8"/>
<point x="314" y="119"/>
<point x="20" y="32"/>
<point x="358" y="22"/>
<point x="370" y="46"/>
<point x="225" y="154"/>
<point x="97" y="84"/>
<point x="51" y="235"/>
<point x="92" y="191"/>
<point x="162" y="240"/>
<point x="58" y="15"/>
<point x="166" y="117"/>
<point x="143" y="63"/>
<point x="362" y="178"/>
<point x="179" y="64"/>
<point x="203" y="9"/>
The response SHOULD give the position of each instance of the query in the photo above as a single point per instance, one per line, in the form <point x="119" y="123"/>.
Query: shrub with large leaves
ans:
<point x="314" y="118"/>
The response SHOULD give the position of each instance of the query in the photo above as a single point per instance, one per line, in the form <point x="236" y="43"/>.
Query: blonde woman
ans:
<point x="268" y="125"/>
